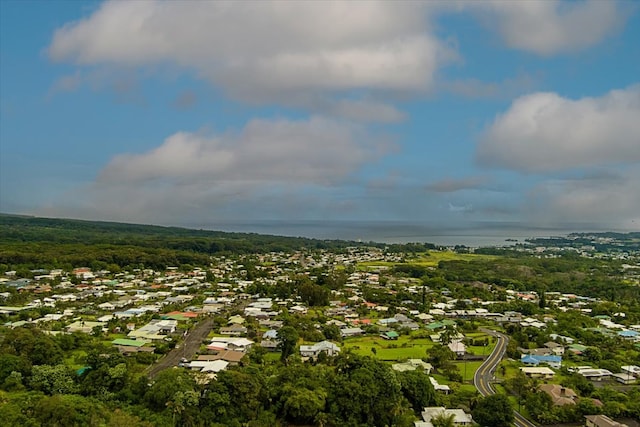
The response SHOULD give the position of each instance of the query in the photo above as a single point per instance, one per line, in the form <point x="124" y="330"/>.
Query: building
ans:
<point x="314" y="350"/>
<point x="535" y="360"/>
<point x="559" y="395"/>
<point x="461" y="418"/>
<point x="538" y="372"/>
<point x="601" y="421"/>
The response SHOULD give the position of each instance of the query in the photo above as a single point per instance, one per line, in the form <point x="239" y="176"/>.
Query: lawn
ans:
<point x="404" y="347"/>
<point x="468" y="369"/>
<point x="430" y="259"/>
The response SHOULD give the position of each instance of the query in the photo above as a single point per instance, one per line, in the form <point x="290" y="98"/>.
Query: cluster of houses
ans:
<point x="146" y="307"/>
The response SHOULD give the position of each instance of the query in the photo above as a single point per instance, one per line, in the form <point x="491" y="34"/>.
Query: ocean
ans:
<point x="478" y="235"/>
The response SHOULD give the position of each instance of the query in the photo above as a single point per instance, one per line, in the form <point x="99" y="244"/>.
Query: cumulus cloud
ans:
<point x="545" y="132"/>
<point x="259" y="50"/>
<point x="316" y="151"/>
<point x="270" y="168"/>
<point x="547" y="27"/>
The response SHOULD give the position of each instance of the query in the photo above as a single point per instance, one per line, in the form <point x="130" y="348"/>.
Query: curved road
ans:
<point x="485" y="373"/>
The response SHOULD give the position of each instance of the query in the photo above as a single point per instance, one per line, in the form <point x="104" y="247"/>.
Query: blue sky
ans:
<point x="451" y="114"/>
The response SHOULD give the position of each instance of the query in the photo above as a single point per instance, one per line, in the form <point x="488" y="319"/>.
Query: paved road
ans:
<point x="485" y="373"/>
<point x="188" y="347"/>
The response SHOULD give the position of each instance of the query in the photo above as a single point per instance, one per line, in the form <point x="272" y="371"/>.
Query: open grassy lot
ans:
<point x="430" y="259"/>
<point x="404" y="347"/>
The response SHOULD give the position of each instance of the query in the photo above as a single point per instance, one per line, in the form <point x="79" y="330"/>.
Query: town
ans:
<point x="431" y="318"/>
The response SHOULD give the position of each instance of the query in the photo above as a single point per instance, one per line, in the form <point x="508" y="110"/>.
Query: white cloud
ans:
<point x="544" y="132"/>
<point x="547" y="27"/>
<point x="271" y="168"/>
<point x="258" y="50"/>
<point x="315" y="151"/>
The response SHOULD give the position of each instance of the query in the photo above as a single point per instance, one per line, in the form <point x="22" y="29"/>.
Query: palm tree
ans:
<point x="443" y="420"/>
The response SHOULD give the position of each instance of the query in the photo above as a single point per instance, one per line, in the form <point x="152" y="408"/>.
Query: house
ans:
<point x="559" y="395"/>
<point x="461" y="418"/>
<point x="208" y="366"/>
<point x="623" y="378"/>
<point x="233" y="357"/>
<point x="576" y="349"/>
<point x="601" y="421"/>
<point x="270" y="345"/>
<point x="234" y="330"/>
<point x="223" y="343"/>
<point x="535" y="360"/>
<point x="84" y="326"/>
<point x="412" y="365"/>
<point x="155" y="330"/>
<point x="631" y="369"/>
<point x="595" y="374"/>
<point x="351" y="332"/>
<point x="314" y="350"/>
<point x="555" y="348"/>
<point x="443" y="388"/>
<point x="390" y="335"/>
<point x="271" y="334"/>
<point x="458" y="348"/>
<point x="538" y="372"/>
<point x="235" y="320"/>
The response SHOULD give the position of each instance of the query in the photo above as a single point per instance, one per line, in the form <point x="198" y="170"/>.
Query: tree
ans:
<point x="443" y="420"/>
<point x="417" y="388"/>
<point x="448" y="334"/>
<point x="57" y="379"/>
<point x="166" y="385"/>
<point x="493" y="411"/>
<point x="287" y="340"/>
<point x="33" y="345"/>
<point x="439" y="355"/>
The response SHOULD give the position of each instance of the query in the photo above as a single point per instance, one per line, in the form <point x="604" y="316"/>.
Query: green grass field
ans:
<point x="430" y="259"/>
<point x="404" y="347"/>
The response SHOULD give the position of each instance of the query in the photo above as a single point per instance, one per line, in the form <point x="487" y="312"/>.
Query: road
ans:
<point x="485" y="373"/>
<point x="188" y="347"/>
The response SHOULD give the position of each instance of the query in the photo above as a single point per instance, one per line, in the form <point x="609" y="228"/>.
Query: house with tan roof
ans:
<point x="559" y="395"/>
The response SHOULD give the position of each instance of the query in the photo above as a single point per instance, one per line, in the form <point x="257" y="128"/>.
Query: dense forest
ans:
<point x="31" y="242"/>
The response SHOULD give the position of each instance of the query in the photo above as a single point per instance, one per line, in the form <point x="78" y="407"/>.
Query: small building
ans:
<point x="461" y="418"/>
<point x="351" y="332"/>
<point x="559" y="395"/>
<point x="535" y="360"/>
<point x="390" y="335"/>
<point x="458" y="348"/>
<point x="595" y="374"/>
<point x="601" y="421"/>
<point x="323" y="346"/>
<point x="234" y="330"/>
<point x="538" y="372"/>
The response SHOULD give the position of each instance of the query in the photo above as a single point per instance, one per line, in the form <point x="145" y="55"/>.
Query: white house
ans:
<point x="314" y="350"/>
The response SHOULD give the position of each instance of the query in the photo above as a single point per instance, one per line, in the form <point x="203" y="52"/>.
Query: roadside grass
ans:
<point x="468" y="369"/>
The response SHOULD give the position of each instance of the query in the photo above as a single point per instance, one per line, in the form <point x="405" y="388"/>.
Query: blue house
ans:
<point x="533" y="360"/>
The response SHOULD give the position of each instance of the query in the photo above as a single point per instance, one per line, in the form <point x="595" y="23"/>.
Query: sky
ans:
<point x="458" y="114"/>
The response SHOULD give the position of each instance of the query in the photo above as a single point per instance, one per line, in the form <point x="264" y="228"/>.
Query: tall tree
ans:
<point x="287" y="340"/>
<point x="493" y="411"/>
